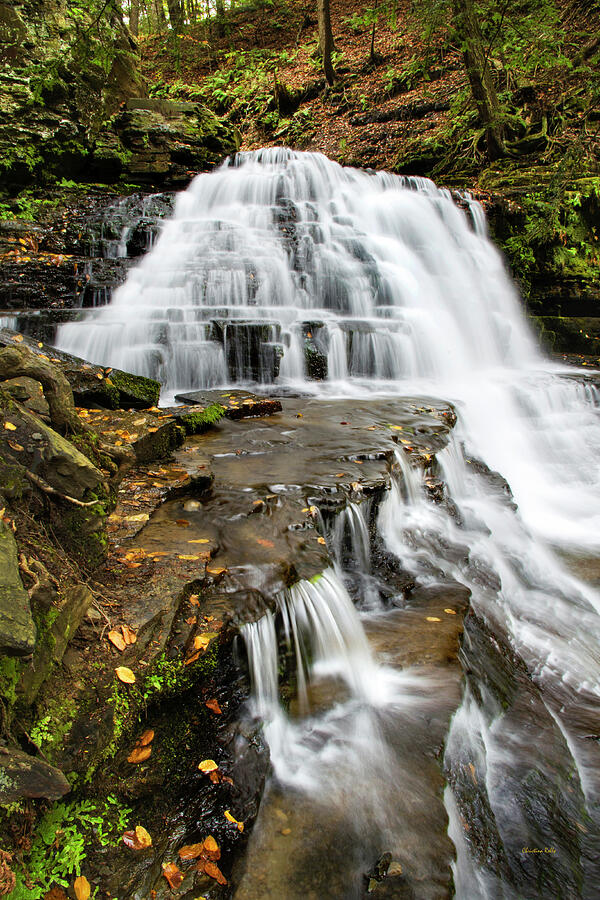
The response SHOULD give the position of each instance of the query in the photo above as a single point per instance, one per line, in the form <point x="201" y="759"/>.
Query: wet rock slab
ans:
<point x="237" y="404"/>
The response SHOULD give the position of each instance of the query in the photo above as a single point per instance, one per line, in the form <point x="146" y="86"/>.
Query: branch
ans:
<point x="48" y="489"/>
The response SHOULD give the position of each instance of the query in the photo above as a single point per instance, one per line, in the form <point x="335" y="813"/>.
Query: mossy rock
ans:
<point x="17" y="629"/>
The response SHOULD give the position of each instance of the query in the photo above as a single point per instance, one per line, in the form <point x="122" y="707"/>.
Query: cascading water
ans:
<point x="282" y="268"/>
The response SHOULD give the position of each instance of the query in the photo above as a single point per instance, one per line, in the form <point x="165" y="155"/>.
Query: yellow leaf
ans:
<point x="187" y="556"/>
<point x="142" y="837"/>
<point x="208" y="765"/>
<point x="215" y="570"/>
<point x="321" y="540"/>
<point x="451" y="612"/>
<point x="230" y="818"/>
<point x="18" y="338"/>
<point x="200" y="541"/>
<point x="82" y="888"/>
<point x="125" y="675"/>
<point x="9" y="426"/>
<point x="433" y="619"/>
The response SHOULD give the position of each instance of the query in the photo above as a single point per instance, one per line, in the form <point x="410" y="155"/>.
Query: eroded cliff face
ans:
<point x="73" y="105"/>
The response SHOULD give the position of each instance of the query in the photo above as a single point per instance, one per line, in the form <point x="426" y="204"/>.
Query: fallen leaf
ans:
<point x="321" y="540"/>
<point x="200" y="541"/>
<point x="173" y="875"/>
<point x="139" y="839"/>
<point x="201" y="641"/>
<point x="188" y="556"/>
<point x="183" y="523"/>
<point x="211" y="848"/>
<point x="433" y="619"/>
<point x="9" y="426"/>
<point x="340" y="474"/>
<point x="129" y="634"/>
<point x="215" y="570"/>
<point x="207" y="765"/>
<point x="125" y="675"/>
<point x="191" y="851"/>
<point x="18" y="338"/>
<point x="82" y="889"/>
<point x="451" y="612"/>
<point x="212" y="870"/>
<point x="264" y="542"/>
<point x="287" y="831"/>
<point x="230" y="818"/>
<point x="139" y="421"/>
<point x="146" y="738"/>
<point x="139" y="755"/>
<point x="213" y="705"/>
<point x="116" y="638"/>
<point x="472" y="771"/>
<point x="193" y="600"/>
<point x="193" y="658"/>
<point x="15" y="446"/>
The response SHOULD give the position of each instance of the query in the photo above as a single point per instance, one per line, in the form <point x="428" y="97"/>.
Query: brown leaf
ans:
<point x="213" y="705"/>
<point x="82" y="889"/>
<point x="173" y="875"/>
<point x="125" y="675"/>
<point x="212" y="870"/>
<point x="146" y="738"/>
<point x="139" y="839"/>
<point x="183" y="523"/>
<point x="116" y="638"/>
<point x="139" y="754"/>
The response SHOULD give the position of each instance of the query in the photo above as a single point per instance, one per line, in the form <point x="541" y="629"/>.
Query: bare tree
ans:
<point x="134" y="17"/>
<point x="326" y="38"/>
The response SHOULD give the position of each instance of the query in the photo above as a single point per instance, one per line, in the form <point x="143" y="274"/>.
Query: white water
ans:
<point x="402" y="293"/>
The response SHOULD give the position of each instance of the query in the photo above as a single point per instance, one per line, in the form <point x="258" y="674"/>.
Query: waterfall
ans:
<point x="284" y="269"/>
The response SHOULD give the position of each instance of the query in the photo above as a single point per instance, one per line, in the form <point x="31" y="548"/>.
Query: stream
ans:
<point x="375" y="303"/>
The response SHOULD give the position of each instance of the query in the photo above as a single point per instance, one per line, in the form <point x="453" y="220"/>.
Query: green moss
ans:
<point x="145" y="391"/>
<point x="199" y="421"/>
<point x="49" y="730"/>
<point x="84" y="528"/>
<point x="10" y="673"/>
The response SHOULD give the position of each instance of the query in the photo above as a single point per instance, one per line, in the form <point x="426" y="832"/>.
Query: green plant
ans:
<point x="63" y="837"/>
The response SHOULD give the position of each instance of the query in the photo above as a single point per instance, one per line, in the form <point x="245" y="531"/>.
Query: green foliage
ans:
<point x="62" y="840"/>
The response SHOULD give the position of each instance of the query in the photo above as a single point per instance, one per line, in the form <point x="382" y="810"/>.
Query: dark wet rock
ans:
<point x="17" y="629"/>
<point x="197" y="419"/>
<point x="22" y="775"/>
<point x="30" y="394"/>
<point x="93" y="385"/>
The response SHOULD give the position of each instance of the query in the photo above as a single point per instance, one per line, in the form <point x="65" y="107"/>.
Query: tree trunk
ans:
<point x="134" y="17"/>
<point x="479" y="75"/>
<point x="175" y="14"/>
<point x="161" y="20"/>
<point x="326" y="38"/>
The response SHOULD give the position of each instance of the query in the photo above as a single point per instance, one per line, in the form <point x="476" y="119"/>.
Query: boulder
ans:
<point x="17" y="629"/>
<point x="22" y="775"/>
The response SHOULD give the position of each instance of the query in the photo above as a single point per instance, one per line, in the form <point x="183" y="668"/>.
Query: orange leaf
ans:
<point x="213" y="705"/>
<point x="201" y="641"/>
<point x="321" y="540"/>
<point x="128" y="634"/>
<point x="116" y="638"/>
<point x="183" y="523"/>
<point x="215" y="570"/>
<point x="125" y="675"/>
<point x="264" y="542"/>
<point x="173" y="875"/>
<point x="9" y="426"/>
<point x="212" y="870"/>
<point x="82" y="888"/>
<point x="192" y="659"/>
<point x="211" y="848"/>
<point x="15" y="446"/>
<point x="139" y="754"/>
<point x="191" y="851"/>
<point x="207" y="765"/>
<point x="146" y="738"/>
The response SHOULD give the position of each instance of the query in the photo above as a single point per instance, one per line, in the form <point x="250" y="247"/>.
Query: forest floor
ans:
<point x="402" y="100"/>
